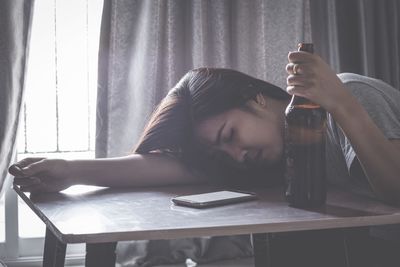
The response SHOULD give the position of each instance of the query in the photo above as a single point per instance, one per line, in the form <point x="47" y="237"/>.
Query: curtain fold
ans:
<point x="359" y="36"/>
<point x="15" y="23"/>
<point x="146" y="46"/>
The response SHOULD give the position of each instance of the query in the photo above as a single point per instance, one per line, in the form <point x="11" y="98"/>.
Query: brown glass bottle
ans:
<point x="305" y="130"/>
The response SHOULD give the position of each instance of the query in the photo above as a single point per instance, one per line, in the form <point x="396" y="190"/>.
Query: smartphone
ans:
<point x="212" y="199"/>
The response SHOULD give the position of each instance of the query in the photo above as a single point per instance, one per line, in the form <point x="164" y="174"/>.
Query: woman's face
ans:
<point x="252" y="135"/>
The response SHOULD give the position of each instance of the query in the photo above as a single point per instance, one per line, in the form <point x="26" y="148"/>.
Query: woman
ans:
<point x="217" y="120"/>
<point x="219" y="125"/>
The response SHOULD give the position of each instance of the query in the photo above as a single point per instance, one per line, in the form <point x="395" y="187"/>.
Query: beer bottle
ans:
<point x="305" y="125"/>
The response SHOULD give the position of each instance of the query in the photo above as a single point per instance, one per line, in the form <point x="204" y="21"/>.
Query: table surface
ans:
<point x="111" y="214"/>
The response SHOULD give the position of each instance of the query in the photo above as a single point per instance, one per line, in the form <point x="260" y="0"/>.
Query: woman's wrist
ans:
<point x="344" y="108"/>
<point x="90" y="171"/>
<point x="72" y="172"/>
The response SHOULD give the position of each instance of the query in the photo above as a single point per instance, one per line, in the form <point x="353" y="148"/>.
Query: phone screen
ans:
<point x="213" y="198"/>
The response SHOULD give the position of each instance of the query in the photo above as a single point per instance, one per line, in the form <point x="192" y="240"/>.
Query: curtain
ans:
<point x="15" y="22"/>
<point x="359" y="36"/>
<point x="145" y="48"/>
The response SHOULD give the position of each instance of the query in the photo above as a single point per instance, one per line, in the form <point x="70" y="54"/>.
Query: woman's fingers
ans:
<point x="301" y="70"/>
<point x="31" y="184"/>
<point x="299" y="80"/>
<point x="311" y="77"/>
<point x="298" y="84"/>
<point x="300" y="57"/>
<point x="41" y="174"/>
<point x="26" y="181"/>
<point x="17" y="169"/>
<point x="298" y="68"/>
<point x="300" y="63"/>
<point x="34" y="168"/>
<point x="32" y="188"/>
<point x="27" y="161"/>
<point x="297" y="90"/>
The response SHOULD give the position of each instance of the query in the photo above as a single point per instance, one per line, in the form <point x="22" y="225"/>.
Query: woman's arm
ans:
<point x="38" y="174"/>
<point x="378" y="156"/>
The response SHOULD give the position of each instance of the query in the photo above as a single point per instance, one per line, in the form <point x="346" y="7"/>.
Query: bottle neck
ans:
<point x="302" y="102"/>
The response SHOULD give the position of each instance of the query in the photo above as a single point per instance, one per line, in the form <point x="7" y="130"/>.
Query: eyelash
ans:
<point x="230" y="136"/>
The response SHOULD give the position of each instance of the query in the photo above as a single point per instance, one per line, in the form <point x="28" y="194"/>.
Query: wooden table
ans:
<point x="102" y="217"/>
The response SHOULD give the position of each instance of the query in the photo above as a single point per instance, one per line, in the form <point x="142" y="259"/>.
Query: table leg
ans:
<point x="100" y="254"/>
<point x="54" y="251"/>
<point x="358" y="249"/>
<point x="262" y="250"/>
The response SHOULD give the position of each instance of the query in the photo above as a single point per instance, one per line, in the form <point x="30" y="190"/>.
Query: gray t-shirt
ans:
<point x="382" y="102"/>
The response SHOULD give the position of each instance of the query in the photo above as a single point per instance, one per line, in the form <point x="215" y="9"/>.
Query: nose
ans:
<point x="235" y="152"/>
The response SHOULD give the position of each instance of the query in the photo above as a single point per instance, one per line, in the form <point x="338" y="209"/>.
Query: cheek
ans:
<point x="273" y="151"/>
<point x="273" y="142"/>
<point x="271" y="136"/>
<point x="276" y="144"/>
<point x="276" y="131"/>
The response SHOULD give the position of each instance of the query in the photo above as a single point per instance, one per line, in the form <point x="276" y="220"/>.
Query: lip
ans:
<point x="255" y="155"/>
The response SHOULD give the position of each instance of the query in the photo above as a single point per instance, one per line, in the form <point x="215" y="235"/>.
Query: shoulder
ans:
<point x="347" y="77"/>
<point x="359" y="84"/>
<point x="370" y="91"/>
<point x="378" y="98"/>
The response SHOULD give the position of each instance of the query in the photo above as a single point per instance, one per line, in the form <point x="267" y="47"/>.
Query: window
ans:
<point x="58" y="117"/>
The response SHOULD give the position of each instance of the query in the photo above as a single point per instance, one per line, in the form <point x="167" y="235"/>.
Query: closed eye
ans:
<point x="229" y="136"/>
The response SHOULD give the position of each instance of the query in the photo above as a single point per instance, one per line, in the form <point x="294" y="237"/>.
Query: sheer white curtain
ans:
<point x="146" y="46"/>
<point x="15" y="23"/>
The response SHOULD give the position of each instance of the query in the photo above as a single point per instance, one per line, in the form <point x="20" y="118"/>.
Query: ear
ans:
<point x="260" y="99"/>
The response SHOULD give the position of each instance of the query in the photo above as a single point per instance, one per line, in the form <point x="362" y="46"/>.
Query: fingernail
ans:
<point x="15" y="170"/>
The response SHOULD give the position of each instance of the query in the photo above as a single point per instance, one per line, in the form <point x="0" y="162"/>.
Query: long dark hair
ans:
<point x="201" y="93"/>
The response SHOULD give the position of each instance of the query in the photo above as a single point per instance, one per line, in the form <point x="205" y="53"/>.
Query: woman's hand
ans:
<point x="41" y="175"/>
<point x="310" y="77"/>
